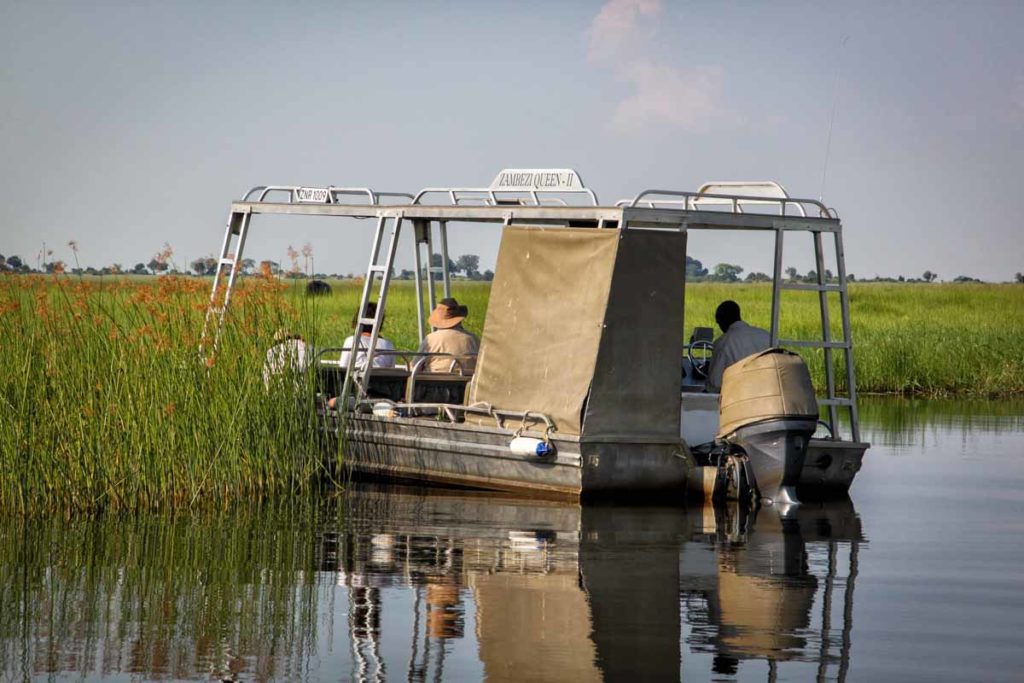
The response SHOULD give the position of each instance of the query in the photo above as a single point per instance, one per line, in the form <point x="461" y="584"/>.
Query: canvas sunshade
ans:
<point x="544" y="318"/>
<point x="635" y="394"/>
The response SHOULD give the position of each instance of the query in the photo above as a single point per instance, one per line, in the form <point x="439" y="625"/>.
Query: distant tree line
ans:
<point x="466" y="266"/>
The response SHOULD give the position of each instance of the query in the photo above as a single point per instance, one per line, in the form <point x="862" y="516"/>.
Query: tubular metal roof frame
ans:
<point x="332" y="194"/>
<point x="508" y="199"/>
<point x="660" y="216"/>
<point x="766" y="193"/>
<point x="517" y="187"/>
<point x="492" y="197"/>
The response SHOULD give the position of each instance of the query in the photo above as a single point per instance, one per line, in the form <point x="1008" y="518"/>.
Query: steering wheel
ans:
<point x="700" y="365"/>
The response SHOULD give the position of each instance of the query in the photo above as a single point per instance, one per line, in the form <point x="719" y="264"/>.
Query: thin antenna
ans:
<point x="832" y="116"/>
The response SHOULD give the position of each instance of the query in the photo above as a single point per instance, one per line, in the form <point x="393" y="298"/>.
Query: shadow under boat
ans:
<point x="606" y="591"/>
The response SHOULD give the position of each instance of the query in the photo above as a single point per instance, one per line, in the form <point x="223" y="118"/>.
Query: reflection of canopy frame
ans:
<point x="715" y="206"/>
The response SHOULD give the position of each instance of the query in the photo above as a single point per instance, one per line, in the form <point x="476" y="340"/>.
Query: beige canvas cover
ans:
<point x="771" y="383"/>
<point x="543" y="326"/>
<point x="635" y="394"/>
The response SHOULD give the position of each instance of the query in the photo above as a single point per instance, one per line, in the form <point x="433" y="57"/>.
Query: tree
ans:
<point x="139" y="269"/>
<point x="791" y="273"/>
<point x="247" y="265"/>
<point x="726" y="272"/>
<point x="488" y="275"/>
<point x="156" y="265"/>
<point x="695" y="269"/>
<point x="15" y="263"/>
<point x="758" y="277"/>
<point x="204" y="266"/>
<point x="469" y="264"/>
<point x="1019" y="277"/>
<point x="929" y="276"/>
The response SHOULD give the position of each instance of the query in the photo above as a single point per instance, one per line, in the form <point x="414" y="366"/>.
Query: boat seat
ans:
<point x="389" y="383"/>
<point x="439" y="387"/>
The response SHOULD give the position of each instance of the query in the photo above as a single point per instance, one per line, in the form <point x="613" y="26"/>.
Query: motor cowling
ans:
<point x="768" y="408"/>
<point x="767" y="385"/>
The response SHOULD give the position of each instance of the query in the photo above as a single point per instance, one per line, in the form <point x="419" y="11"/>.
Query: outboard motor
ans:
<point x="769" y="410"/>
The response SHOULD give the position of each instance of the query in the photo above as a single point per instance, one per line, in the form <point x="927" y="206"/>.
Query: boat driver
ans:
<point x="449" y="337"/>
<point x="737" y="341"/>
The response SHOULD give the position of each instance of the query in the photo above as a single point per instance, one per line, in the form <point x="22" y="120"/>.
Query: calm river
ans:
<point x="920" y="577"/>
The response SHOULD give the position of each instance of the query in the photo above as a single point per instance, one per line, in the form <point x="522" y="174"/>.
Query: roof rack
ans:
<point x="319" y="195"/>
<point x="518" y="187"/>
<point x="733" y="196"/>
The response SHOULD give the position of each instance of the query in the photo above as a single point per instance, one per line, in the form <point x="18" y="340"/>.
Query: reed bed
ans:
<point x="105" y="404"/>
<point x="214" y="592"/>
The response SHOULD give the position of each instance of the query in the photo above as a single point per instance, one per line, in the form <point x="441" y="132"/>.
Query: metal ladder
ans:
<point x="360" y="378"/>
<point x="826" y="343"/>
<point x="230" y="257"/>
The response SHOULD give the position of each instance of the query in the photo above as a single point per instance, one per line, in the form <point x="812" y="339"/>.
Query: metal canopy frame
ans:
<point x="767" y="208"/>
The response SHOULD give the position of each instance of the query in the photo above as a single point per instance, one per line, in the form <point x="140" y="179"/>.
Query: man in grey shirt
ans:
<point x="738" y="340"/>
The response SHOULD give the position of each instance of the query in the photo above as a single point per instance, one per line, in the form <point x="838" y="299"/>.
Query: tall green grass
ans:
<point x="104" y="403"/>
<point x="909" y="339"/>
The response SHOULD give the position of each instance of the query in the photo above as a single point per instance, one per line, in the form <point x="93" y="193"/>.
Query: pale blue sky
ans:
<point x="127" y="125"/>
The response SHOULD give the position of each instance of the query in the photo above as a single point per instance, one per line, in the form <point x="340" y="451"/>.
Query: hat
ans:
<point x="447" y="314"/>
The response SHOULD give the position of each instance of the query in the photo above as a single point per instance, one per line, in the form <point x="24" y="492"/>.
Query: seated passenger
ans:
<point x="738" y="341"/>
<point x="289" y="354"/>
<point x="449" y="337"/>
<point x="365" y="332"/>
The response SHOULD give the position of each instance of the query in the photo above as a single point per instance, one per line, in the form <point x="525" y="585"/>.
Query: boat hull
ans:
<point x="472" y="456"/>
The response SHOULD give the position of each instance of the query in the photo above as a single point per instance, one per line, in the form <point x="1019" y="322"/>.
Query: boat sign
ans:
<point x="533" y="179"/>
<point x="316" y="195"/>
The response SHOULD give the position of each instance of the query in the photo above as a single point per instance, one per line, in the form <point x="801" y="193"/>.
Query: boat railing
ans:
<point x="732" y="197"/>
<point x="452" y="411"/>
<point x="730" y="203"/>
<point x="482" y="196"/>
<point x="414" y="367"/>
<point x="517" y="187"/>
<point x="297" y="194"/>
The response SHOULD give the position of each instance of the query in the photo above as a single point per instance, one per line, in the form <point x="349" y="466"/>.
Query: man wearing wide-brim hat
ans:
<point x="449" y="337"/>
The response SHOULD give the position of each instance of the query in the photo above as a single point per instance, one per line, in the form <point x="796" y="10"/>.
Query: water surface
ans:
<point x="917" y="577"/>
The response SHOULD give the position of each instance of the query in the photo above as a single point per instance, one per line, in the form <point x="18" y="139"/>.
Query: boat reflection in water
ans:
<point x="390" y="583"/>
<point x="598" y="592"/>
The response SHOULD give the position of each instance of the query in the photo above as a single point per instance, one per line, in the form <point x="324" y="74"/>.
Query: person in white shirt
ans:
<point x="738" y="340"/>
<point x="365" y="332"/>
<point x="289" y="355"/>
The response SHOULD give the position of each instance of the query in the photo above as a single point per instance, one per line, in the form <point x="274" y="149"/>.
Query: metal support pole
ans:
<point x="418" y="234"/>
<point x="442" y="229"/>
<point x="431" y="294"/>
<point x="776" y="287"/>
<point x="826" y="332"/>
